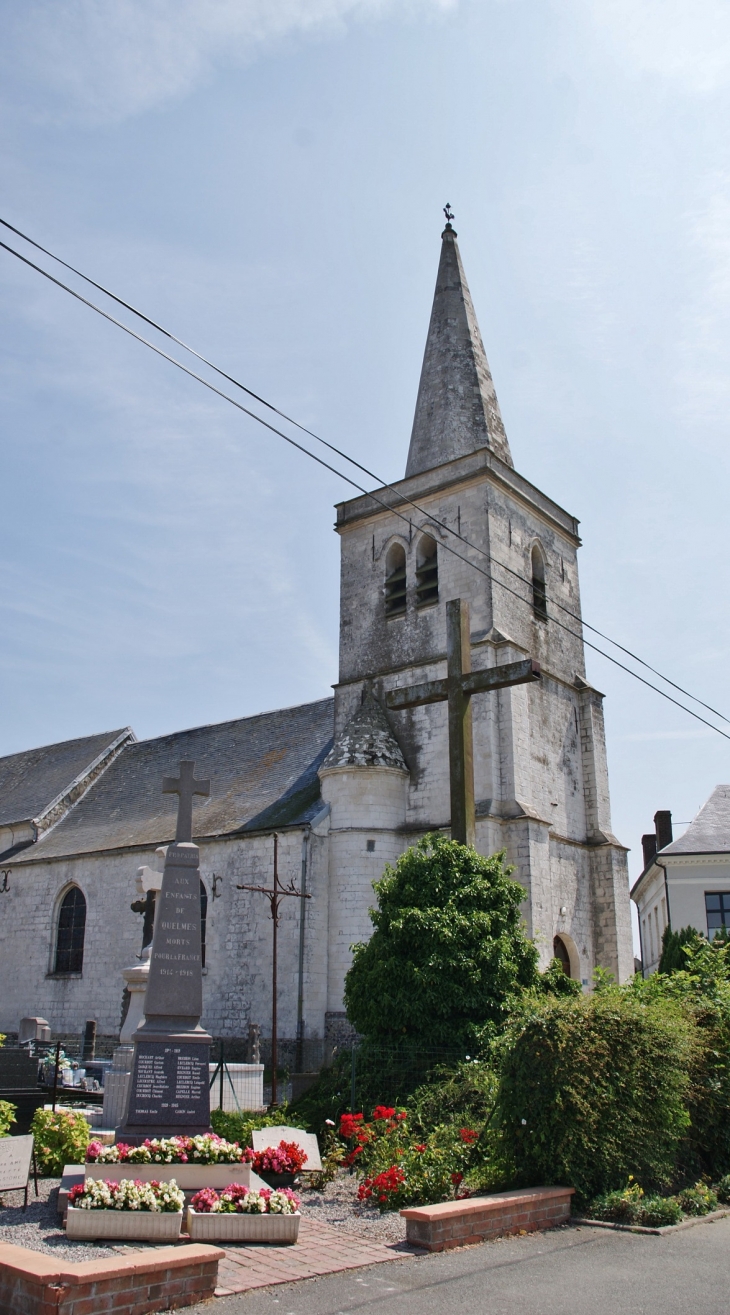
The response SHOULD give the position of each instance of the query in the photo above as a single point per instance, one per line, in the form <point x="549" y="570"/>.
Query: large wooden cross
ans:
<point x="456" y="690"/>
<point x="185" y="786"/>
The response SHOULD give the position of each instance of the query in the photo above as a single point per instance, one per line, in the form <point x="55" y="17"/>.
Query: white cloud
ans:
<point x="109" y="59"/>
<point x="686" y="41"/>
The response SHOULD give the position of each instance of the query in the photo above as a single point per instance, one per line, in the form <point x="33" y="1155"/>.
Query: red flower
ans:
<point x="469" y="1136"/>
<point x="349" y="1125"/>
<point x="457" y="1178"/>
<point x="383" y="1112"/>
<point x="422" y="1147"/>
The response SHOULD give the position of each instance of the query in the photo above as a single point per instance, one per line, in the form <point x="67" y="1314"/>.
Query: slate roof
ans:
<point x="367" y="740"/>
<point x="457" y="411"/>
<point x="32" y="780"/>
<point x="709" y="832"/>
<point x="263" y="773"/>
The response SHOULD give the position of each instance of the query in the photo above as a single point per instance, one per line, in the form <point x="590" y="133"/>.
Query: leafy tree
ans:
<point x="449" y="955"/>
<point x="594" y="1089"/>
<point x="673" y="958"/>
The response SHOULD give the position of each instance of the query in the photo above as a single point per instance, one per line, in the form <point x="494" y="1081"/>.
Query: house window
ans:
<point x="70" y="932"/>
<point x="539" y="595"/>
<point x="427" y="572"/>
<point x="203" y="920"/>
<point x="717" y="906"/>
<point x="395" y="580"/>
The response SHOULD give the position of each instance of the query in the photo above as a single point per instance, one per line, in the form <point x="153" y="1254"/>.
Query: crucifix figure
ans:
<point x="185" y="786"/>
<point x="456" y="690"/>
<point x="274" y="895"/>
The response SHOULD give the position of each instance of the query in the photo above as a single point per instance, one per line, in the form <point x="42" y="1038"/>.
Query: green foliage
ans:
<point x="331" y="1153"/>
<point x="697" y="1200"/>
<point x="722" y="1189"/>
<point x="7" y="1116"/>
<point x="702" y="991"/>
<point x="630" y="1206"/>
<point x="555" y="981"/>
<point x="660" y="1212"/>
<point x="592" y="1089"/>
<point x="61" y="1138"/>
<point x="448" y="956"/>
<point x="673" y="958"/>
<point x="327" y="1098"/>
<point x="399" y="1166"/>
<point x="464" y="1095"/>
<point x="238" y="1127"/>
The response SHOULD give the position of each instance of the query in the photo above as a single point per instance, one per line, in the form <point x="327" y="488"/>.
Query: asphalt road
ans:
<point x="570" y="1271"/>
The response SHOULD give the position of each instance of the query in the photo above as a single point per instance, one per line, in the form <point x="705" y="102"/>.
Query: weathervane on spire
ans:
<point x="449" y="214"/>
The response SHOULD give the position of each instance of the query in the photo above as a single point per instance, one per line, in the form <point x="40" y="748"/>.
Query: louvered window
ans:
<point x="539" y="592"/>
<point x="427" y="572"/>
<point x="395" y="580"/>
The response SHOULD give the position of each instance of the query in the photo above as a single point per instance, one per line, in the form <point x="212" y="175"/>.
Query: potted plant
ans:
<point x="194" y="1162"/>
<point x="240" y="1215"/>
<point x="130" y="1210"/>
<point x="277" y="1165"/>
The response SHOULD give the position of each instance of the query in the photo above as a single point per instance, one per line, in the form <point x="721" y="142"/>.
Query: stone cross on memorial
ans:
<point x="457" y="690"/>
<point x="169" y="1092"/>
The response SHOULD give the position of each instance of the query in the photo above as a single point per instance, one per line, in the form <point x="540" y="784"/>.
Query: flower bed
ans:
<point x="193" y="1162"/>
<point x="130" y="1209"/>
<point x="240" y="1215"/>
<point x="397" y="1169"/>
<point x="632" y="1207"/>
<point x="277" y="1165"/>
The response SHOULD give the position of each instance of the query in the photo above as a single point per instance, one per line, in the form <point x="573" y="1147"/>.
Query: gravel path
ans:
<point x="39" y="1228"/>
<point x="337" y="1204"/>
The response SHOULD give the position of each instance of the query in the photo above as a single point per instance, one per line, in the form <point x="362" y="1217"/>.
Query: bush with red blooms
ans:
<point x="398" y="1170"/>
<point x="287" y="1157"/>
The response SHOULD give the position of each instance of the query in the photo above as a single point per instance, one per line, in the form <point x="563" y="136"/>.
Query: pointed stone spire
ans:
<point x="457" y="411"/>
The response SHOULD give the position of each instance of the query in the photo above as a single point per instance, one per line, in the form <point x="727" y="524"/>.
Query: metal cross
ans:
<point x="185" y="786"/>
<point x="274" y="896"/>
<point x="456" y="690"/>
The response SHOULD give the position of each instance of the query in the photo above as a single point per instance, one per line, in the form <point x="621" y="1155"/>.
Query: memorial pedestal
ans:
<point x="169" y="1090"/>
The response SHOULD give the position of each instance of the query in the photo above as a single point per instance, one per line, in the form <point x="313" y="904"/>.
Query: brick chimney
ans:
<point x="663" y="825"/>
<point x="648" y="844"/>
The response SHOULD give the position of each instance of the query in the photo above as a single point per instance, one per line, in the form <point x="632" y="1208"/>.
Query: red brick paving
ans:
<point x="321" y="1249"/>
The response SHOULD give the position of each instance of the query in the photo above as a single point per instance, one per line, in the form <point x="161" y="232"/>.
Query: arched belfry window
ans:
<point x="70" y="932"/>
<point x="395" y="580"/>
<point x="539" y="594"/>
<point x="427" y="572"/>
<point x="203" y="921"/>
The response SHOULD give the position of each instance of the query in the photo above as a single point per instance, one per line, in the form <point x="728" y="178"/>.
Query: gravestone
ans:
<point x="169" y="1090"/>
<point x="263" y="1138"/>
<point x="16" y="1154"/>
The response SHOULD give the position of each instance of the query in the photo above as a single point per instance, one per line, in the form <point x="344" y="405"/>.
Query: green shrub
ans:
<point x="400" y="1167"/>
<point x="449" y="954"/>
<point x="697" y="1200"/>
<point x="660" y="1211"/>
<point x="7" y="1116"/>
<point x="673" y="957"/>
<point x="463" y="1095"/>
<point x="619" y="1207"/>
<point x="238" y="1127"/>
<point x="722" y="1189"/>
<point x="592" y="1090"/>
<point x="61" y="1138"/>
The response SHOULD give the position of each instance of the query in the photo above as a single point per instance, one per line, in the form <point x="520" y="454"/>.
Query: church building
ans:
<point x="346" y="783"/>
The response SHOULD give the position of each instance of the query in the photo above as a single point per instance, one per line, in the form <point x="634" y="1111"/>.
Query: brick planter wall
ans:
<point x="135" y="1284"/>
<point x="459" y="1223"/>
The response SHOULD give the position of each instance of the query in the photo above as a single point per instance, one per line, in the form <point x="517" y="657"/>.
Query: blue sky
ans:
<point x="266" y="177"/>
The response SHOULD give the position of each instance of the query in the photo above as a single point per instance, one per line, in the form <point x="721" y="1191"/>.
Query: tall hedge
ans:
<point x="593" y="1089"/>
<point x="449" y="954"/>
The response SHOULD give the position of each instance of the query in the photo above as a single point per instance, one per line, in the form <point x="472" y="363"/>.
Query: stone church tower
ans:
<point x="540" y="769"/>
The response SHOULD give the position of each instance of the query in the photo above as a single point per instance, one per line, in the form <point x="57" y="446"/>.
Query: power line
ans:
<point x="306" y="451"/>
<point x="339" y="452"/>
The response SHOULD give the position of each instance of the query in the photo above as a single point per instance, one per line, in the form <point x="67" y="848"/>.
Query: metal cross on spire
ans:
<point x="456" y="690"/>
<point x="185" y="786"/>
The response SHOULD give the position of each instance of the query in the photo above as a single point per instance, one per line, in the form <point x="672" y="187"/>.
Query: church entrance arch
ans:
<point x="565" y="952"/>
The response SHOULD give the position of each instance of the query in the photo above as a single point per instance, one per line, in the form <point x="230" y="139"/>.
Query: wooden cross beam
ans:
<point x="457" y="690"/>
<point x="185" y="786"/>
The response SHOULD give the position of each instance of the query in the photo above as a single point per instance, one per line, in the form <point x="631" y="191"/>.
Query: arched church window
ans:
<point x="70" y="932"/>
<point x="539" y="594"/>
<point x="395" y="580"/>
<point x="427" y="572"/>
<point x="560" y="952"/>
<point x="203" y="920"/>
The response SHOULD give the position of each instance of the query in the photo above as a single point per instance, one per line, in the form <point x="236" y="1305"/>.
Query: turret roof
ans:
<point x="367" y="740"/>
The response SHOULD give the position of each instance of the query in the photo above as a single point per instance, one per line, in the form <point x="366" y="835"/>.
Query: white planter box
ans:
<point x="123" y="1225"/>
<point x="243" y="1228"/>
<point x="189" y="1177"/>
